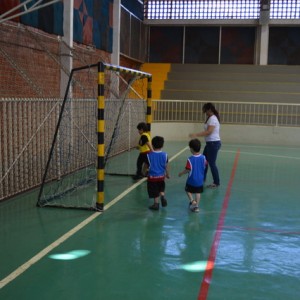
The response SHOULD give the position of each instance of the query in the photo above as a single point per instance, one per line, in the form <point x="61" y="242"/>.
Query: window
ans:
<point x="218" y="9"/>
<point x="204" y="9"/>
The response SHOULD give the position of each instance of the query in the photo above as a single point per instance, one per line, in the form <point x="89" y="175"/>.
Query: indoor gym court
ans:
<point x="243" y="244"/>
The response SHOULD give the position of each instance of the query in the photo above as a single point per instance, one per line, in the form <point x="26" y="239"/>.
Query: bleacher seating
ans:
<point x="239" y="83"/>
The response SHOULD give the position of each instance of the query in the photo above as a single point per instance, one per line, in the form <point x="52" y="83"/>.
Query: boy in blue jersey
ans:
<point x="195" y="167"/>
<point x="158" y="165"/>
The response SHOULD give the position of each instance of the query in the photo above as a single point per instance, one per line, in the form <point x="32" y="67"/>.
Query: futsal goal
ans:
<point x="95" y="131"/>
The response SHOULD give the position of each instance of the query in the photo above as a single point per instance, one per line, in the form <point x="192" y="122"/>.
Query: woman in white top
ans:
<point x="211" y="133"/>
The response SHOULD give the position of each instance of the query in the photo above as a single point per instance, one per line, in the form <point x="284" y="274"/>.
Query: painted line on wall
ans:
<point x="213" y="251"/>
<point x="70" y="233"/>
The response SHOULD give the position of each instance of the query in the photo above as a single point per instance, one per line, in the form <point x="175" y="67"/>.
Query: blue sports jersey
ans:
<point x="157" y="161"/>
<point x="196" y="165"/>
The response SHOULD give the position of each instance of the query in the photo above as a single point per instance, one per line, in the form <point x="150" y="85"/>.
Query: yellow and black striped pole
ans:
<point x="101" y="122"/>
<point x="149" y="103"/>
<point x="100" y="135"/>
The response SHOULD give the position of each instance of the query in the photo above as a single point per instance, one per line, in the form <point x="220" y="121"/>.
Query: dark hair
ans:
<point x="158" y="142"/>
<point x="195" y="145"/>
<point x="142" y="126"/>
<point x="210" y="106"/>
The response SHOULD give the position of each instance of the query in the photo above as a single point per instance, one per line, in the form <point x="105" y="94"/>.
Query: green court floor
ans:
<point x="243" y="244"/>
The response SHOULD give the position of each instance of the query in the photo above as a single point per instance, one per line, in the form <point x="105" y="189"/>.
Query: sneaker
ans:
<point x="212" y="186"/>
<point x="154" y="206"/>
<point x="192" y="206"/>
<point x="195" y="209"/>
<point x="164" y="201"/>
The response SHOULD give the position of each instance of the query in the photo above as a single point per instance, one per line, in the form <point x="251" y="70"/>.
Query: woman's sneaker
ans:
<point x="212" y="186"/>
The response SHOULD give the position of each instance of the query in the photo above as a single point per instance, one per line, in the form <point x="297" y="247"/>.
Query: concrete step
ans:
<point x="235" y="76"/>
<point x="228" y="68"/>
<point x="245" y="83"/>
<point x="236" y="96"/>
<point x="231" y="85"/>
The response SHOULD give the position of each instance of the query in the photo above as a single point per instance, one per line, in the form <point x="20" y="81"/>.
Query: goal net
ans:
<point x="95" y="133"/>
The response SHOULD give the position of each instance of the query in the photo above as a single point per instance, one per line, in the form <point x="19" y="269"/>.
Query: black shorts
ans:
<point x="193" y="189"/>
<point x="155" y="188"/>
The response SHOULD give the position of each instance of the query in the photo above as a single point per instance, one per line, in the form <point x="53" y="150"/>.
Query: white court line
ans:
<point x="262" y="154"/>
<point x="261" y="146"/>
<point x="45" y="251"/>
<point x="63" y="238"/>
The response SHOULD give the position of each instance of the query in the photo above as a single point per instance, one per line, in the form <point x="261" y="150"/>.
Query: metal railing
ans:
<point x="243" y="113"/>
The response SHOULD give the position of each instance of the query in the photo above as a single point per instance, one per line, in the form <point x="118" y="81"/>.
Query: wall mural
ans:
<point x="93" y="23"/>
<point x="92" y="20"/>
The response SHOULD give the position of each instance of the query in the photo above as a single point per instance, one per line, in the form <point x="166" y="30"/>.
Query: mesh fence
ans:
<point x="32" y="65"/>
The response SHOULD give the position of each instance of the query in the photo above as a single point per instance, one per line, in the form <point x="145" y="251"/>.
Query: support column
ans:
<point x="263" y="33"/>
<point x="66" y="46"/>
<point x="263" y="44"/>
<point x="115" y="57"/>
<point x="149" y="103"/>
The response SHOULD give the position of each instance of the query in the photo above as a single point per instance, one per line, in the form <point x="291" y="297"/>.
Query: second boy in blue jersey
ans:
<point x="195" y="168"/>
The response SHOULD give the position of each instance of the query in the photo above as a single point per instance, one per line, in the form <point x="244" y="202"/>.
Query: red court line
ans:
<point x="213" y="251"/>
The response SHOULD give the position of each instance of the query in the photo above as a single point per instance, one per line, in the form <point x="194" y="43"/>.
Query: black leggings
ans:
<point x="142" y="158"/>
